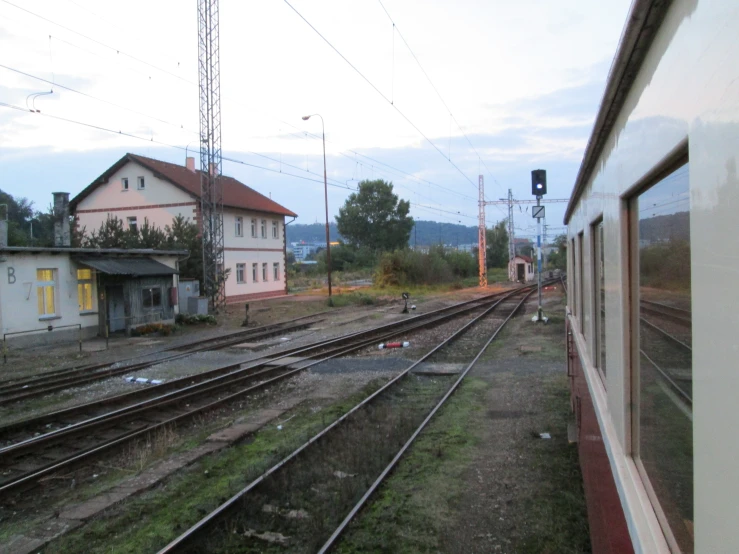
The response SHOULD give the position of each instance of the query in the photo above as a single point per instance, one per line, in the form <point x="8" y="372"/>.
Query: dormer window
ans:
<point x="124" y="183"/>
<point x="141" y="183"/>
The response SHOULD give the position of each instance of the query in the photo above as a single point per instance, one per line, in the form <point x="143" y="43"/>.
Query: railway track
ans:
<point x="316" y="483"/>
<point x="677" y="315"/>
<point x="17" y="390"/>
<point x="45" y="445"/>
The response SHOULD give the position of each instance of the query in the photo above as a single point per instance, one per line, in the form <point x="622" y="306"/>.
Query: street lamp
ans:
<point x="325" y="194"/>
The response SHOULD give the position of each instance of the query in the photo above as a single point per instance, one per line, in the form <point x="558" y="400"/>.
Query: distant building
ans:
<point x="521" y="268"/>
<point x="136" y="188"/>
<point x="301" y="250"/>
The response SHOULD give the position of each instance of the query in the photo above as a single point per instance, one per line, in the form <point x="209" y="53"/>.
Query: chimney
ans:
<point x="62" y="235"/>
<point x="3" y="225"/>
<point x="190" y="163"/>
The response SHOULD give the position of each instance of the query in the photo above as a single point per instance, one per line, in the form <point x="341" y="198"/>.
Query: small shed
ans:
<point x="521" y="269"/>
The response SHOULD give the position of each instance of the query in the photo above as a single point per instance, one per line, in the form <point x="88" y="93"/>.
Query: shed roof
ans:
<point x="138" y="267"/>
<point x="235" y="193"/>
<point x="133" y="252"/>
<point x="524" y="258"/>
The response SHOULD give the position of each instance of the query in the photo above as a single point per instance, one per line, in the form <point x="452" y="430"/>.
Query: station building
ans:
<point x="521" y="269"/>
<point x="136" y="189"/>
<point x="60" y="293"/>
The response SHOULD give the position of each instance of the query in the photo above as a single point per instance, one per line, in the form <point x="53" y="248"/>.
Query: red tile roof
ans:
<point x="524" y="258"/>
<point x="235" y="193"/>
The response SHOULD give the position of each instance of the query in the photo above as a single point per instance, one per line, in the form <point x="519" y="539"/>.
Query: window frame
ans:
<point x="265" y="272"/>
<point x="83" y="283"/>
<point x="124" y="183"/>
<point x="276" y="270"/>
<point x="264" y="229"/>
<point x="596" y="234"/>
<point x="239" y="226"/>
<point x="135" y="223"/>
<point x="275" y="229"/>
<point x="255" y="272"/>
<point x="242" y="279"/>
<point x="141" y="182"/>
<point x="581" y="278"/>
<point x="253" y="227"/>
<point x="150" y="289"/>
<point x="42" y="286"/>
<point x="678" y="158"/>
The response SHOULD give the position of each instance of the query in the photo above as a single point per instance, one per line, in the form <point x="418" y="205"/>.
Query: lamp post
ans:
<point x="325" y="194"/>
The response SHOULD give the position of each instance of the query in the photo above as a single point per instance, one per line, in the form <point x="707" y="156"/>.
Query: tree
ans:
<point x="558" y="258"/>
<point x="497" y="244"/>
<point x="185" y="235"/>
<point x="374" y="217"/>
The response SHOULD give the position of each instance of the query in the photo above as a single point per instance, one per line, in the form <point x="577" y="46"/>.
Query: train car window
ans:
<point x="599" y="298"/>
<point x="580" y="283"/>
<point x="660" y="248"/>
<point x="573" y="273"/>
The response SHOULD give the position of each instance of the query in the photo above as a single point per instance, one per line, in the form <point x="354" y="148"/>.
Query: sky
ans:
<point x="427" y="94"/>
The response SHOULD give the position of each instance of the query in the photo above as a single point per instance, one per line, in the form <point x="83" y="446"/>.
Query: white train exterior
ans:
<point x="652" y="222"/>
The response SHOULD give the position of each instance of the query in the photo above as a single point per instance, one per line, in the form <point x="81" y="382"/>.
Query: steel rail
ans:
<point x="113" y="417"/>
<point x="187" y="381"/>
<point x="687" y="397"/>
<point x="30" y="390"/>
<point x="188" y="535"/>
<point x="680" y="316"/>
<point x="666" y="334"/>
<point x="381" y="478"/>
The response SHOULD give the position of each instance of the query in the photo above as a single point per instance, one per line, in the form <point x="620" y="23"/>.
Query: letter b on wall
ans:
<point x="11" y="275"/>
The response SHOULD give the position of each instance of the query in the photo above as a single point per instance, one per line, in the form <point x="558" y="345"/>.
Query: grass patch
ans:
<point x="413" y="506"/>
<point x="147" y="522"/>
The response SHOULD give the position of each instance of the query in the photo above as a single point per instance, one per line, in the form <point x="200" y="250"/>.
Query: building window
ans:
<point x="276" y="271"/>
<point x="141" y="183"/>
<point x="124" y="183"/>
<point x="151" y="297"/>
<point x="84" y="289"/>
<point x="264" y="228"/>
<point x="599" y="292"/>
<point x="254" y="271"/>
<point x="662" y="356"/>
<point x="275" y="230"/>
<point x="46" y="292"/>
<point x="254" y="228"/>
<point x="264" y="272"/>
<point x="241" y="273"/>
<point x="132" y="224"/>
<point x="239" y="227"/>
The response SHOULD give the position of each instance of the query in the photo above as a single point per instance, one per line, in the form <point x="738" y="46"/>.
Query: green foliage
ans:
<point x="22" y="217"/>
<point x="666" y="265"/>
<point x="184" y="234"/>
<point x="410" y="267"/>
<point x="195" y="319"/>
<point x="347" y="258"/>
<point x="375" y="218"/>
<point x="558" y="259"/>
<point x="352" y="299"/>
<point x="497" y="245"/>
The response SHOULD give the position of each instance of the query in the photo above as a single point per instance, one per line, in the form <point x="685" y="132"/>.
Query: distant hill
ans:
<point x="425" y="233"/>
<point x="665" y="227"/>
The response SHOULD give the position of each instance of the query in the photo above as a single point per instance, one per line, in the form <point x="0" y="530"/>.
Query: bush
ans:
<point x="409" y="267"/>
<point x="195" y="319"/>
<point x="162" y="329"/>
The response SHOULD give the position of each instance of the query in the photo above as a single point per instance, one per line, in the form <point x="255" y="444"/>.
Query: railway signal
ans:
<point x="538" y="189"/>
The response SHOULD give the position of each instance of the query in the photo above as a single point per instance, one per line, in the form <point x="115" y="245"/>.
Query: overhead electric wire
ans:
<point x="379" y="92"/>
<point x="131" y="135"/>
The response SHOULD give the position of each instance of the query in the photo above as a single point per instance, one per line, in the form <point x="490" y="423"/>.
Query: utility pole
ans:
<point x="539" y="189"/>
<point x="211" y="187"/>
<point x="482" y="249"/>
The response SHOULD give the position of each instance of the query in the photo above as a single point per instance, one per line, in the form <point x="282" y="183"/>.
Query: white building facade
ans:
<point x="138" y="189"/>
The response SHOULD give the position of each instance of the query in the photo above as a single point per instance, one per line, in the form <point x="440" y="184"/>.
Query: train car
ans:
<point x="653" y="274"/>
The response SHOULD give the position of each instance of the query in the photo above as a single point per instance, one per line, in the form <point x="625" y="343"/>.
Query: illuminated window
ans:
<point x="84" y="290"/>
<point x="662" y="357"/>
<point x="45" y="292"/>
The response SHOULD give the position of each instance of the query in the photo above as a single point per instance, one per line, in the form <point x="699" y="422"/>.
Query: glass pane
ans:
<point x="40" y="294"/>
<point x="146" y="298"/>
<point x="156" y="297"/>
<point x="44" y="274"/>
<point x="601" y="298"/>
<point x="84" y="296"/>
<point x="49" y="296"/>
<point x="84" y="274"/>
<point x="665" y="356"/>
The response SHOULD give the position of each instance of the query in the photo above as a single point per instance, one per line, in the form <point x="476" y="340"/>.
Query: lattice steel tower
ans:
<point x="211" y="189"/>
<point x="482" y="249"/>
